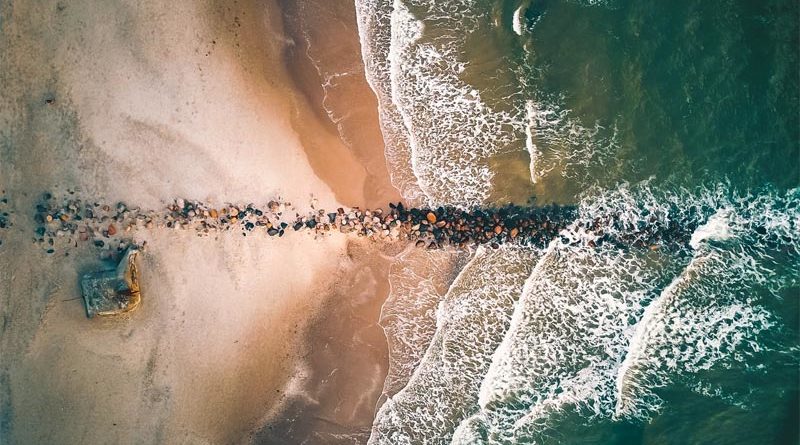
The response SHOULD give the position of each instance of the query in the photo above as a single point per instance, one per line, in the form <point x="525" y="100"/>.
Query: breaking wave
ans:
<point x="598" y="329"/>
<point x="451" y="130"/>
<point x="440" y="131"/>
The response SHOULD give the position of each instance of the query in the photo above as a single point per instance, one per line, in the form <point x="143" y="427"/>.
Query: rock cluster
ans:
<point x="77" y="221"/>
<point x="5" y="217"/>
<point x="435" y="228"/>
<point x="71" y="221"/>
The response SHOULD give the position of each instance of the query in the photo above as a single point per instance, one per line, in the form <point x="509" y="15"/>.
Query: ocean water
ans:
<point x="648" y="113"/>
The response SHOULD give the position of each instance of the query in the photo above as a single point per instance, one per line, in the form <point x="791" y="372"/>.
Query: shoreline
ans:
<point x="326" y="65"/>
<point x="347" y="361"/>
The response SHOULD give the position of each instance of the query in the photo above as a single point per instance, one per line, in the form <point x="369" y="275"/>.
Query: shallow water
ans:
<point x="656" y="114"/>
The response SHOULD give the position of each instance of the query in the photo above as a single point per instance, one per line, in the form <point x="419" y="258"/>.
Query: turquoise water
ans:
<point x="653" y="113"/>
<point x="693" y="90"/>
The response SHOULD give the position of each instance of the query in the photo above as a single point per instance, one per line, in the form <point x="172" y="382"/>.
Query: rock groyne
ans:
<point x="72" y="220"/>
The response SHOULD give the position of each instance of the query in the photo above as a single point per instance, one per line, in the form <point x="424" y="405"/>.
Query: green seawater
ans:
<point x="693" y="91"/>
<point x="697" y="99"/>
<point x="689" y="92"/>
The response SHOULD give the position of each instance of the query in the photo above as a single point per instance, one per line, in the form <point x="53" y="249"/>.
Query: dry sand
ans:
<point x="142" y="103"/>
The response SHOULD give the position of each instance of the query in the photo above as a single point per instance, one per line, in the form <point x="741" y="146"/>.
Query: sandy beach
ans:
<point x="596" y="242"/>
<point x="143" y="104"/>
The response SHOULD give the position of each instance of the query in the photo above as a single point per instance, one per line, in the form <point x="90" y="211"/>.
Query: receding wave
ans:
<point x="419" y="280"/>
<point x="471" y="321"/>
<point x="373" y="17"/>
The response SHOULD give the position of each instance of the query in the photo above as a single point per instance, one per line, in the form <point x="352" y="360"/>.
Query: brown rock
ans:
<point x="213" y="213"/>
<point x="431" y="217"/>
<point x="514" y="232"/>
<point x="498" y="230"/>
<point x="112" y="230"/>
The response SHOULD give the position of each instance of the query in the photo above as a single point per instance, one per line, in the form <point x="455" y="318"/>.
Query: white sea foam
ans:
<point x="596" y="330"/>
<point x="452" y="131"/>
<point x="418" y="280"/>
<point x="716" y="228"/>
<point x="373" y="18"/>
<point x="605" y="3"/>
<point x="561" y="144"/>
<point x="581" y="339"/>
<point x="471" y="322"/>
<point x="439" y="131"/>
<point x="705" y="318"/>
<point x="530" y="143"/>
<point x="518" y="20"/>
<point x="568" y="331"/>
<point x="715" y="313"/>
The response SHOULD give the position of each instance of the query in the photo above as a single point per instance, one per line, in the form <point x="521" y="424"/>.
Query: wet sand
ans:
<point x="142" y="104"/>
<point x="325" y="62"/>
<point x="335" y="398"/>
